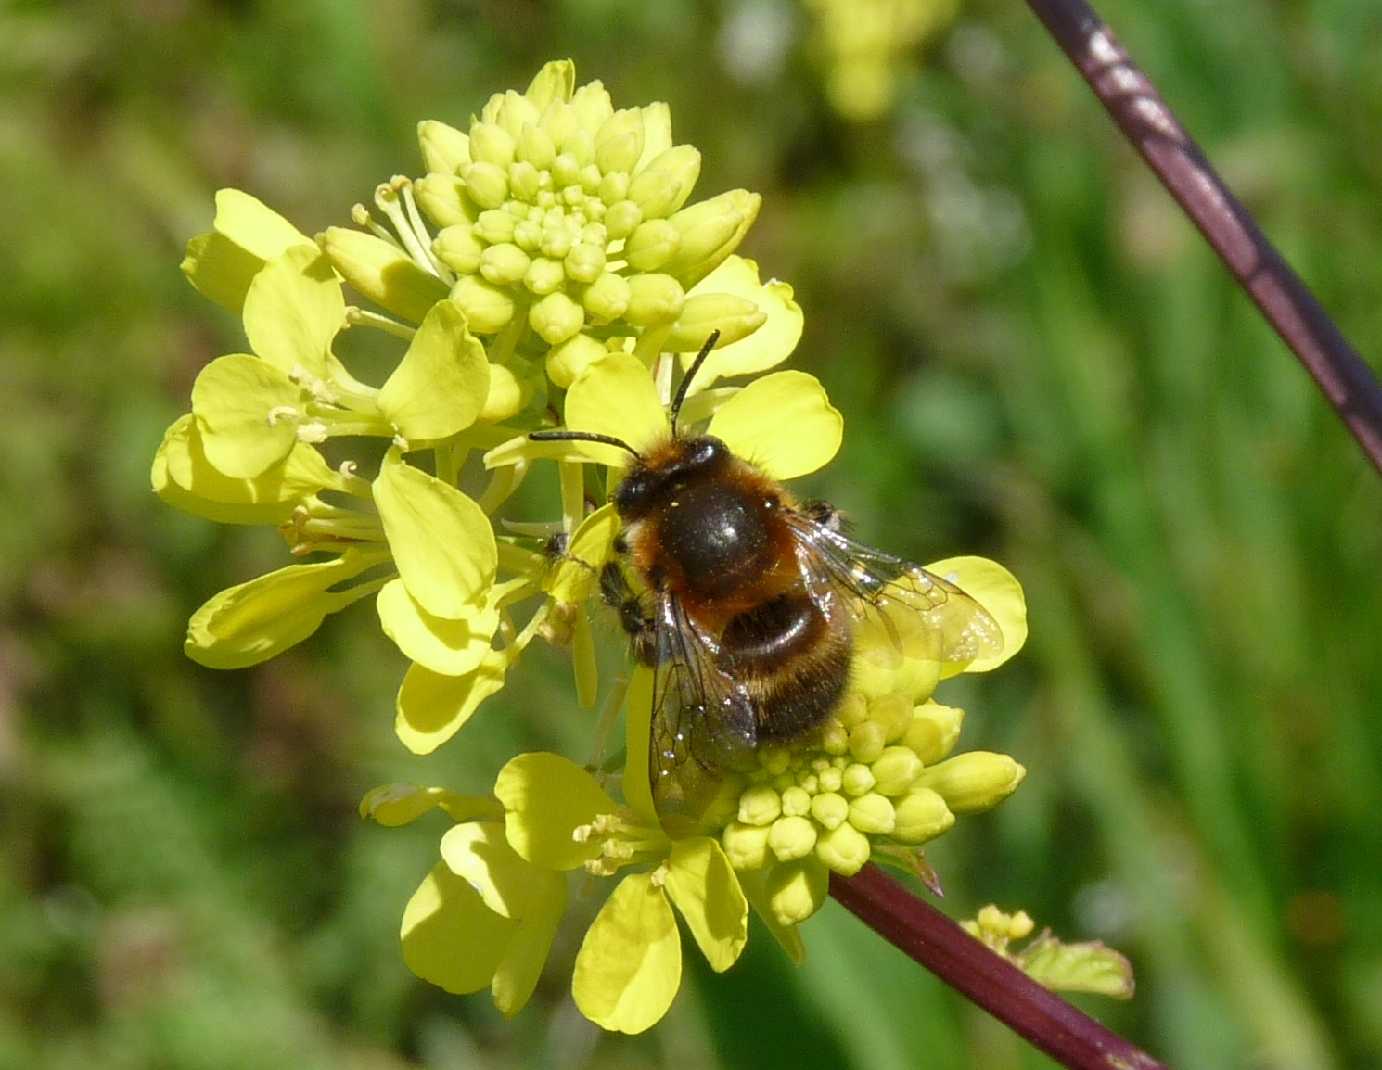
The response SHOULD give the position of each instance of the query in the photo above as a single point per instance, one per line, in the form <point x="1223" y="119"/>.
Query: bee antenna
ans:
<point x="690" y="375"/>
<point x="582" y="436"/>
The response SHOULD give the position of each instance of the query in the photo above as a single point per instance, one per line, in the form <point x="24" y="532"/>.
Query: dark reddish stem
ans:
<point x="1069" y="1036"/>
<point x="1286" y="303"/>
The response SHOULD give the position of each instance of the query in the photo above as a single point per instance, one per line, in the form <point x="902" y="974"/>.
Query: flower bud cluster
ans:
<point x="878" y="774"/>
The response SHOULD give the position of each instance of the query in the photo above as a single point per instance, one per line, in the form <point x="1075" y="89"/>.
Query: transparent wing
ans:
<point x="704" y="723"/>
<point x="922" y="615"/>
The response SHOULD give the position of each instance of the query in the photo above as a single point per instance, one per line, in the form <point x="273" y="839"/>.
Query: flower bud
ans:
<point x="444" y="199"/>
<point x="585" y="262"/>
<point x="459" y="249"/>
<point x="651" y="244"/>
<point x="857" y="779"/>
<point x="507" y="395"/>
<point x="710" y="230"/>
<point x="559" y="122"/>
<point x="444" y="148"/>
<point x="663" y="186"/>
<point x="844" y="849"/>
<point x="516" y="112"/>
<point x="494" y="226"/>
<point x="866" y="740"/>
<point x="556" y="241"/>
<point x="566" y="361"/>
<point x="896" y="769"/>
<point x="524" y="180"/>
<point x="920" y="815"/>
<point x="579" y="148"/>
<point x="973" y="782"/>
<point x="654" y="300"/>
<point x="556" y="318"/>
<point x="934" y="731"/>
<point x="487" y="184"/>
<point x="535" y="147"/>
<point x="734" y="317"/>
<point x="796" y="890"/>
<point x="796" y="802"/>
<point x="622" y="218"/>
<point x="592" y="105"/>
<point x="382" y="273"/>
<point x="830" y="779"/>
<point x="834" y="738"/>
<point x="504" y="264"/>
<point x="619" y="141"/>
<point x="893" y="714"/>
<point x="852" y="710"/>
<point x="544" y="276"/>
<point x="486" y="308"/>
<point x="759" y="805"/>
<point x="614" y="186"/>
<point x="589" y="179"/>
<point x="491" y="143"/>
<point x="830" y="809"/>
<point x="791" y="838"/>
<point x="607" y="297"/>
<point x="551" y="86"/>
<point x="746" y="846"/>
<point x="872" y="813"/>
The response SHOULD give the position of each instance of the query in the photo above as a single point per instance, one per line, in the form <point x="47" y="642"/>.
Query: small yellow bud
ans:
<point x="585" y="262"/>
<point x="796" y="890"/>
<point x="622" y="218"/>
<point x="491" y="143"/>
<point x="543" y="275"/>
<point x="559" y="122"/>
<point x="796" y="801"/>
<point x="504" y="264"/>
<point x="580" y="149"/>
<point x="614" y="186"/>
<point x="507" y="395"/>
<point x="791" y="838"/>
<point x="830" y="809"/>
<point x="516" y="112"/>
<point x="809" y="782"/>
<point x="760" y="805"/>
<point x="535" y="148"/>
<point x="934" y="731"/>
<point x="663" y="186"/>
<point x="651" y="244"/>
<point x="844" y="849"/>
<point x="775" y="760"/>
<point x="654" y="300"/>
<point x="495" y="226"/>
<point x="606" y="298"/>
<point x="1020" y="925"/>
<point x="974" y="782"/>
<point x="829" y="780"/>
<point x="853" y="710"/>
<point x="524" y="180"/>
<point x="444" y="148"/>
<point x="382" y="273"/>
<point x="920" y="815"/>
<point x="867" y="740"/>
<point x="834" y="738"/>
<point x="745" y="845"/>
<point x="857" y="779"/>
<point x="896" y="769"/>
<point x="486" y="308"/>
<point x="556" y="318"/>
<point x="872" y="813"/>
<point x="992" y="920"/>
<point x="487" y="183"/>
<point x="619" y="141"/>
<point x="893" y="713"/>
<point x="734" y="317"/>
<point x="444" y="199"/>
<point x="459" y="249"/>
<point x="710" y="230"/>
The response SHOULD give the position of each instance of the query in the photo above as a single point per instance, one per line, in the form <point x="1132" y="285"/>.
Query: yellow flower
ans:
<point x="1083" y="967"/>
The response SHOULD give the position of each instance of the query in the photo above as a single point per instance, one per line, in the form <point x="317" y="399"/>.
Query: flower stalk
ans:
<point x="915" y="927"/>
<point x="1254" y="262"/>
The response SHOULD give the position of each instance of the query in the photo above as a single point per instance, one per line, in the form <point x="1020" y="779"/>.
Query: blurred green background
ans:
<point x="1037" y="360"/>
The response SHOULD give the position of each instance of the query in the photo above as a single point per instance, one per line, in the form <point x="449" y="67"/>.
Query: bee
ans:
<point x="747" y="604"/>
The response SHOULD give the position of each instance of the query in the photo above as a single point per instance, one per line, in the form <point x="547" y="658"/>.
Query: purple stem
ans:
<point x="1286" y="302"/>
<point x="1069" y="1036"/>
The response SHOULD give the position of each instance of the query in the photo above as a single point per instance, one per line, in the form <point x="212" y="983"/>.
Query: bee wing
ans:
<point x="703" y="721"/>
<point x="923" y="615"/>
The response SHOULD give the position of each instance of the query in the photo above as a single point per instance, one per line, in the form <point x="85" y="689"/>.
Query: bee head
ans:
<point x="682" y="461"/>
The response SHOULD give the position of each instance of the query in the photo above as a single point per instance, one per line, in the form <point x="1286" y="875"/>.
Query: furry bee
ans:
<point x="748" y="603"/>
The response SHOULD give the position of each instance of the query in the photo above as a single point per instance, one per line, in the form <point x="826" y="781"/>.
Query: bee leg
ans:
<point x="640" y="627"/>
<point x="824" y="514"/>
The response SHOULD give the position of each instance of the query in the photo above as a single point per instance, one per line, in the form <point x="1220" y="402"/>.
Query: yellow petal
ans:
<point x="441" y="540"/>
<point x="702" y="885"/>
<point x="754" y="883"/>
<point x="638" y="711"/>
<point x="220" y="270"/>
<point x="517" y="974"/>
<point x="247" y="413"/>
<point x="508" y="884"/>
<point x="617" y="397"/>
<point x="392" y="805"/>
<point x="770" y="344"/>
<point x="443" y="380"/>
<point x="183" y="477"/>
<point x="521" y="448"/>
<point x="546" y="798"/>
<point x="293" y="310"/>
<point x="450" y="937"/>
<point x="997" y="590"/>
<point x="590" y="547"/>
<point x="254" y="621"/>
<point x="431" y="708"/>
<point x="254" y="226"/>
<point x="383" y="273"/>
<point x="629" y="966"/>
<point x="450" y="646"/>
<point x="782" y="422"/>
